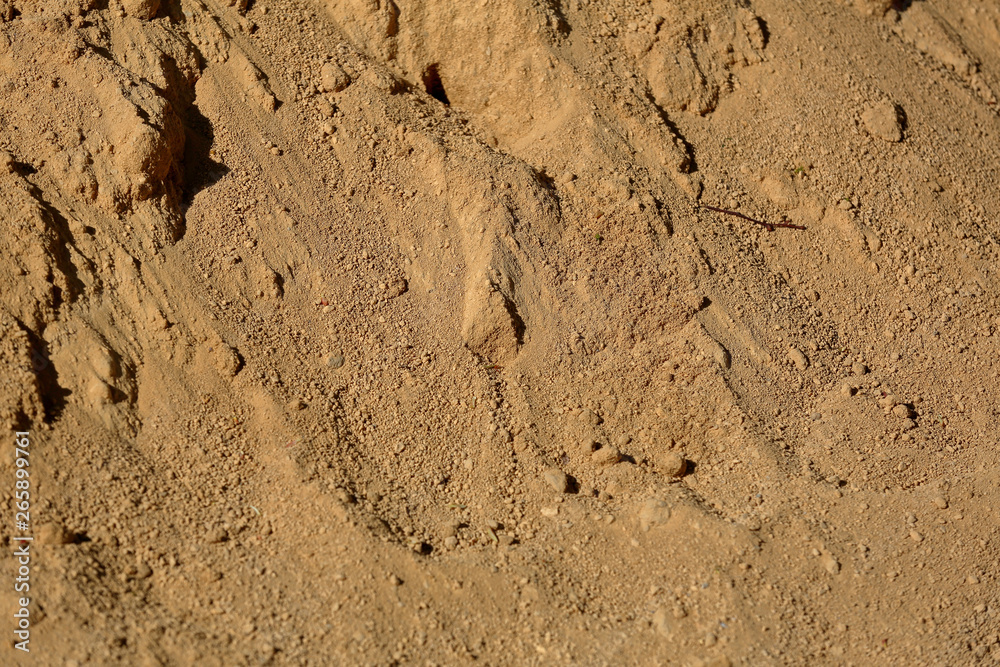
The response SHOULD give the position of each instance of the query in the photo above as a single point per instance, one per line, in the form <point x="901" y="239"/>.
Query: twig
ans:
<point x="769" y="226"/>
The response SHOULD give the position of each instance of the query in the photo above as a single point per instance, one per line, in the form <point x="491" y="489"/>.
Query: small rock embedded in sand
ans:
<point x="661" y="622"/>
<point x="882" y="121"/>
<point x="296" y="404"/>
<point x="903" y="411"/>
<point x="141" y="9"/>
<point x="335" y="361"/>
<point x="589" y="445"/>
<point x="606" y="456"/>
<point x="550" y="511"/>
<point x="940" y="502"/>
<point x="216" y="535"/>
<point x="722" y="356"/>
<point x="830" y="564"/>
<point x="590" y="417"/>
<point x="798" y="358"/>
<point x="847" y="390"/>
<point x="915" y="536"/>
<point x="53" y="533"/>
<point x="859" y="369"/>
<point x="654" y="511"/>
<point x="228" y="360"/>
<point x="671" y="464"/>
<point x="557" y="479"/>
<point x="333" y="79"/>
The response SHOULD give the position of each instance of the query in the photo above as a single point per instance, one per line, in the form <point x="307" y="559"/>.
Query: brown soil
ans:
<point x="374" y="333"/>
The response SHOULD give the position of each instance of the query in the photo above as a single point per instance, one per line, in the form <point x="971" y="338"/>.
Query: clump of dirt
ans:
<point x="375" y="333"/>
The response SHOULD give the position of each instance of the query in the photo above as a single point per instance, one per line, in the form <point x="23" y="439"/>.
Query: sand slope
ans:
<point x="372" y="332"/>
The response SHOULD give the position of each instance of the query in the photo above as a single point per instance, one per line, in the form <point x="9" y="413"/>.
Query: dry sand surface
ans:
<point x="397" y="332"/>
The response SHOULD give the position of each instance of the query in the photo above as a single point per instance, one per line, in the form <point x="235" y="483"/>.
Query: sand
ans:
<point x="398" y="333"/>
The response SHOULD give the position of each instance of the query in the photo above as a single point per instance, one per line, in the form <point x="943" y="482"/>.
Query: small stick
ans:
<point x="769" y="226"/>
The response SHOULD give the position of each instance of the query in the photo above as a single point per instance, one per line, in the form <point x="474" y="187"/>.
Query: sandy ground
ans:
<point x="364" y="332"/>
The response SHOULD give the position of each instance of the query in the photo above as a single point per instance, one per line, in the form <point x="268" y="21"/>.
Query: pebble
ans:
<point x="53" y="533"/>
<point x="859" y="369"/>
<point x="450" y="542"/>
<point x="654" y="511"/>
<point x="550" y="511"/>
<point x="847" y="390"/>
<point x="606" y="455"/>
<point x="903" y="411"/>
<point x="217" y="535"/>
<point x="395" y="581"/>
<point x="557" y="479"/>
<point x="915" y="536"/>
<point x="333" y="79"/>
<point x="335" y="361"/>
<point x="882" y="121"/>
<point x="798" y="358"/>
<point x="830" y="564"/>
<point x="661" y="622"/>
<point x="588" y="445"/>
<point x="722" y="357"/>
<point x="590" y="417"/>
<point x="672" y="464"/>
<point x="940" y="502"/>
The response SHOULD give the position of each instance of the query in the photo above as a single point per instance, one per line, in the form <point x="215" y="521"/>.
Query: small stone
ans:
<point x="217" y="535"/>
<point x="798" y="358"/>
<point x="671" y="464"/>
<point x="882" y="121"/>
<point x="859" y="369"/>
<point x="53" y="533"/>
<point x="654" y="511"/>
<point x="394" y="580"/>
<point x="450" y="542"/>
<point x="296" y="404"/>
<point x="144" y="571"/>
<point x="847" y="390"/>
<point x="335" y="361"/>
<point x="830" y="564"/>
<point x="333" y="79"/>
<point x="550" y="511"/>
<point x="557" y="479"/>
<point x="908" y="425"/>
<point x="972" y="580"/>
<point x="590" y="417"/>
<point x="661" y="622"/>
<point x="915" y="536"/>
<point x="940" y="502"/>
<point x="606" y="456"/>
<point x="141" y="9"/>
<point x="589" y="445"/>
<point x="903" y="411"/>
<point x="722" y="357"/>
